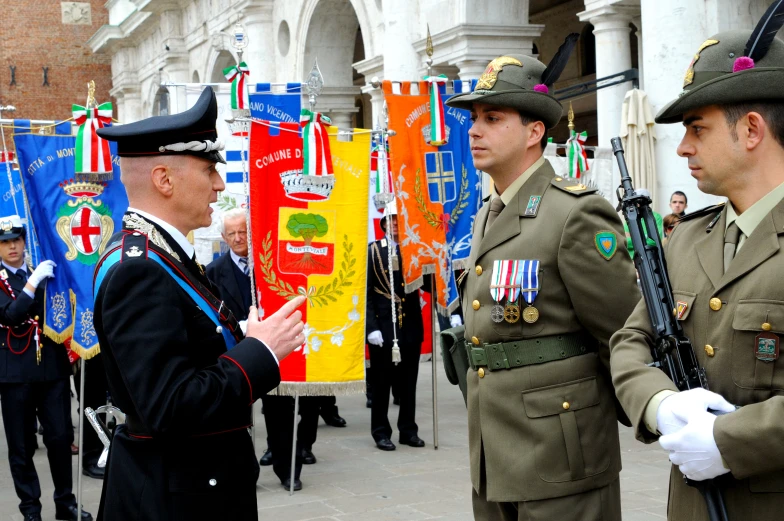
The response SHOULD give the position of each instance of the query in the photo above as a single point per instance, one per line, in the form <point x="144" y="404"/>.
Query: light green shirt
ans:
<point x="513" y="188"/>
<point x="750" y="219"/>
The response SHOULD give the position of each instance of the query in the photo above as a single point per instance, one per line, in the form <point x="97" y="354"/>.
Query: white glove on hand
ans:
<point x="45" y="270"/>
<point x="694" y="450"/>
<point x="243" y="326"/>
<point x="375" y="338"/>
<point x="455" y="320"/>
<point x="676" y="410"/>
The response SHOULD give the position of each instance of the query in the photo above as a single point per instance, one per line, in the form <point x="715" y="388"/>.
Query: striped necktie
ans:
<point x="244" y="265"/>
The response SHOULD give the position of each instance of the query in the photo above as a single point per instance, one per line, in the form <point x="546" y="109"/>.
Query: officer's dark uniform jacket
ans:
<point x="408" y="324"/>
<point x="17" y="344"/>
<point x="185" y="452"/>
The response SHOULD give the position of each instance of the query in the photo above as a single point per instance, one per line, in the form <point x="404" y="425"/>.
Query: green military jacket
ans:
<point x="722" y="314"/>
<point x="524" y="443"/>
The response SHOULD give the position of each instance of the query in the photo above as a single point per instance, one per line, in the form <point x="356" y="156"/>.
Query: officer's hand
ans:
<point x="375" y="338"/>
<point x="455" y="320"/>
<point x="281" y="331"/>
<point x="694" y="449"/>
<point x="44" y="270"/>
<point x="676" y="410"/>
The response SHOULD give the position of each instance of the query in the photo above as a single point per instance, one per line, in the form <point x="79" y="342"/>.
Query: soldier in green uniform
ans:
<point x="545" y="289"/>
<point x="725" y="264"/>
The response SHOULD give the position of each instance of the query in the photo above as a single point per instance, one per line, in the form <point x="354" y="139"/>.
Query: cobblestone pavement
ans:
<point x="355" y="481"/>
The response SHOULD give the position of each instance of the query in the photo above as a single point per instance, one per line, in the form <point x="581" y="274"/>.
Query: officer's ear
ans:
<point x="161" y="176"/>
<point x="752" y="129"/>
<point x="536" y="133"/>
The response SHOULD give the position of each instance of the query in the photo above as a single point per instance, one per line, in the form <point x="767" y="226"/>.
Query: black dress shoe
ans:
<point x="334" y="420"/>
<point x="385" y="444"/>
<point x="307" y="457"/>
<point x="266" y="459"/>
<point x="69" y="514"/>
<point x="287" y="484"/>
<point x="32" y="517"/>
<point x="413" y="441"/>
<point x="93" y="471"/>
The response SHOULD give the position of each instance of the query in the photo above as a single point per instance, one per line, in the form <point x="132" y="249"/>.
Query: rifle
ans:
<point x="672" y="351"/>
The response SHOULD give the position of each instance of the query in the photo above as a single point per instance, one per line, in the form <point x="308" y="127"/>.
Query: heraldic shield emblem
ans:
<point x="84" y="223"/>
<point x="606" y="243"/>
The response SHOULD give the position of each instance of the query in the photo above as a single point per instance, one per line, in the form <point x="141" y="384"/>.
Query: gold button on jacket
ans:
<point x="715" y="304"/>
<point x="481" y="372"/>
<point x="709" y="350"/>
<point x="479" y="270"/>
<point x="476" y="304"/>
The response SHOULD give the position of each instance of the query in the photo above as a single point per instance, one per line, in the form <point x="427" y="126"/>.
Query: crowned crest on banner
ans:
<point x="85" y="224"/>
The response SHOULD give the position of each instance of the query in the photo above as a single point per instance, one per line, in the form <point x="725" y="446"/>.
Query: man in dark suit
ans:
<point x="176" y="361"/>
<point x="409" y="331"/>
<point x="231" y="274"/>
<point x="34" y="376"/>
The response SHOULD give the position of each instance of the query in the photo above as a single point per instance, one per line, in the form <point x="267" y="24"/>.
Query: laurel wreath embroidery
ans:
<point x="321" y="295"/>
<point x="431" y="218"/>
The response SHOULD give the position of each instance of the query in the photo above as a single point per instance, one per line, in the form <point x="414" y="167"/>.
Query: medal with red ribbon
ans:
<point x="512" y="310"/>
<point x="501" y="283"/>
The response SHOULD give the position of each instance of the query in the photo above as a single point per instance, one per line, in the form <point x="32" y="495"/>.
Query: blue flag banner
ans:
<point x="75" y="216"/>
<point x="453" y="178"/>
<point x="13" y="203"/>
<point x="275" y="106"/>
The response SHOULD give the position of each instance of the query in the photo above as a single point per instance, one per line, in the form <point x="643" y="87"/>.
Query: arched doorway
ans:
<point x="223" y="60"/>
<point x="334" y="38"/>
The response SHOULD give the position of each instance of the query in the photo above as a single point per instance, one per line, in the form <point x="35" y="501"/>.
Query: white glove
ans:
<point x="455" y="320"/>
<point x="694" y="450"/>
<point x="243" y="326"/>
<point x="375" y="338"/>
<point x="676" y="410"/>
<point x="45" y="270"/>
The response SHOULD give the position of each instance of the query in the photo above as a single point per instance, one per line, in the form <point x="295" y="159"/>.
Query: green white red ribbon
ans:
<point x="315" y="143"/>
<point x="578" y="159"/>
<point x="380" y="165"/>
<point x="92" y="153"/>
<point x="236" y="74"/>
<point x="437" y="125"/>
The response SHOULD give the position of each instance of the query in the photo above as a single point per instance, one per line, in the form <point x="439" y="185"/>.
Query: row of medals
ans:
<point x="511" y="313"/>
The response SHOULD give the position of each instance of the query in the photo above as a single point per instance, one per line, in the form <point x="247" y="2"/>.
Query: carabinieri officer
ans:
<point x="175" y="359"/>
<point x="34" y="376"/>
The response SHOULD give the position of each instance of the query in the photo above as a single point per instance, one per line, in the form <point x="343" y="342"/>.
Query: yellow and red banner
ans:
<point x="424" y="182"/>
<point x="316" y="247"/>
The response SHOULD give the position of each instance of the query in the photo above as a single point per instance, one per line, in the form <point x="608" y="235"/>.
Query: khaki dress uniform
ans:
<point x="547" y="428"/>
<point x="734" y="316"/>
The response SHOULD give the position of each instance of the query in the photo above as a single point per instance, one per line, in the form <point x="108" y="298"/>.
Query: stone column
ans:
<point x="373" y="69"/>
<point x="400" y="59"/>
<point x="260" y="52"/>
<point x="613" y="55"/>
<point x="673" y="32"/>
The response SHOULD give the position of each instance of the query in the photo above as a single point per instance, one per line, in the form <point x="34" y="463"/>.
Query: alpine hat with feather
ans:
<point x="734" y="67"/>
<point x="521" y="82"/>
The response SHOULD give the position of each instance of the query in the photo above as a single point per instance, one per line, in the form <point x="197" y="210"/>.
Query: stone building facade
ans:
<point x="152" y="42"/>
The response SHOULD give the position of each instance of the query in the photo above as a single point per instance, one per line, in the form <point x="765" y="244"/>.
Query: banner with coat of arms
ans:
<point x="438" y="191"/>
<point x="309" y="238"/>
<point x="13" y="203"/>
<point x="75" y="215"/>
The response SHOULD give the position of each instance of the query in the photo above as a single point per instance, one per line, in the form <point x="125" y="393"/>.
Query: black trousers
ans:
<point x="382" y="377"/>
<point x="95" y="389"/>
<point x="279" y="420"/>
<point x="20" y="402"/>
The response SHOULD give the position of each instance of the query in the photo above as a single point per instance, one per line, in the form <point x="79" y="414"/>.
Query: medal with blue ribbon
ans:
<point x="529" y="282"/>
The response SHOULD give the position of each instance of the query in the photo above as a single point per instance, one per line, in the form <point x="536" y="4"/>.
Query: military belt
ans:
<point x="520" y="353"/>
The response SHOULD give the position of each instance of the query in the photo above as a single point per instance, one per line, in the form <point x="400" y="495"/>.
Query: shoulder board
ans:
<point x="702" y="212"/>
<point x="134" y="245"/>
<point x="571" y="186"/>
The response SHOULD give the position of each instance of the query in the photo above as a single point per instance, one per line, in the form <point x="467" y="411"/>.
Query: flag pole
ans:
<point x="433" y="294"/>
<point x="314" y="84"/>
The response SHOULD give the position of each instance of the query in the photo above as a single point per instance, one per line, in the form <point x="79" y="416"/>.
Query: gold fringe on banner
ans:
<point x="319" y="388"/>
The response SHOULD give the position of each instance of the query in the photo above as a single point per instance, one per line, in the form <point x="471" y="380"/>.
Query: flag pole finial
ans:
<point x="570" y="115"/>
<point x="315" y="84"/>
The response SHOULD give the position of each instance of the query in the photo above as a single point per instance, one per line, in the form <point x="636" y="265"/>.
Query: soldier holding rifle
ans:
<point x="725" y="266"/>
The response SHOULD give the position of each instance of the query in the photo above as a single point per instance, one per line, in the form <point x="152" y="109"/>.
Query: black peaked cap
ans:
<point x="146" y="137"/>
